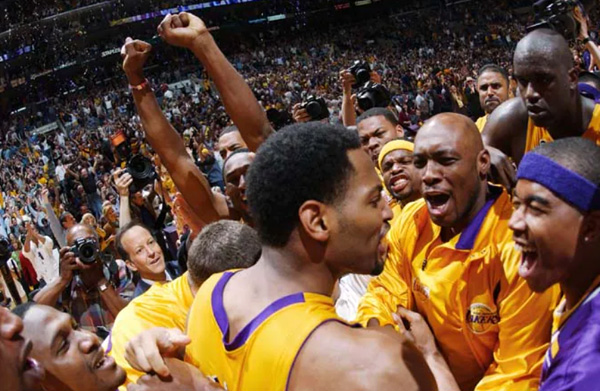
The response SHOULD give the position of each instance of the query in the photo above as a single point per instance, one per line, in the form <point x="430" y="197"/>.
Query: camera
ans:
<point x="316" y="108"/>
<point x="361" y="72"/>
<point x="138" y="166"/>
<point x="87" y="250"/>
<point x="556" y="15"/>
<point x="373" y="95"/>
<point x="142" y="172"/>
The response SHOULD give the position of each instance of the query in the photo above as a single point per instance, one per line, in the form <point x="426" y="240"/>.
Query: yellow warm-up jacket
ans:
<point x="491" y="328"/>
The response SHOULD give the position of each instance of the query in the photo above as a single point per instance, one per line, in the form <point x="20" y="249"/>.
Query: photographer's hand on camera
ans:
<point x="300" y="114"/>
<point x="68" y="264"/>
<point x="348" y="111"/>
<point x="122" y="181"/>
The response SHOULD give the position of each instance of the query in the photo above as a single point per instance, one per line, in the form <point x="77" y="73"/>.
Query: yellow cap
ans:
<point x="395" y="145"/>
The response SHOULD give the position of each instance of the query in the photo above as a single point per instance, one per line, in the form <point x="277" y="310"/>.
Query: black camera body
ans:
<point x="361" y="72"/>
<point x="142" y="172"/>
<point x="87" y="250"/>
<point x="373" y="95"/>
<point x="316" y="108"/>
<point x="556" y="15"/>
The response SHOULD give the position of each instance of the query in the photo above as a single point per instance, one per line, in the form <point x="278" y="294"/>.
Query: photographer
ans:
<point x="88" y="289"/>
<point x="349" y="101"/>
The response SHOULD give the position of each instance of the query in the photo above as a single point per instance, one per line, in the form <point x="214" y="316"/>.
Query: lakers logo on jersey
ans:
<point x="481" y="318"/>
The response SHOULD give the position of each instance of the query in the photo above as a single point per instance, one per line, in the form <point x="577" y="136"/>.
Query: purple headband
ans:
<point x="589" y="91"/>
<point x="566" y="184"/>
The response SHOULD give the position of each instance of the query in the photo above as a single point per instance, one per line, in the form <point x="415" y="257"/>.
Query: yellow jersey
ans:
<point x="491" y="328"/>
<point x="537" y="135"/>
<point x="481" y="122"/>
<point x="261" y="356"/>
<point x="163" y="305"/>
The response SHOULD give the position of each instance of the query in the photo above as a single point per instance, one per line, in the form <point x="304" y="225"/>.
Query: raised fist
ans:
<point x="135" y="53"/>
<point x="182" y="29"/>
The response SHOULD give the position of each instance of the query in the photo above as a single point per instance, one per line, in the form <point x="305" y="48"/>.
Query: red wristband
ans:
<point x="140" y="87"/>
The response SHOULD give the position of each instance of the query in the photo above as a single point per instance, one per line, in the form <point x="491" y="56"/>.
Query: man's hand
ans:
<point x="583" y="30"/>
<point x="182" y="29"/>
<point x="45" y="195"/>
<point x="145" y="352"/>
<point x="67" y="265"/>
<point x="417" y="330"/>
<point x="347" y="79"/>
<point x="135" y="53"/>
<point x="502" y="170"/>
<point x="122" y="181"/>
<point x="183" y="377"/>
<point x="300" y="114"/>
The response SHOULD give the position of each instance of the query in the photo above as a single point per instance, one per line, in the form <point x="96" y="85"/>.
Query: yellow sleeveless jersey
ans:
<point x="481" y="122"/>
<point x="163" y="305"/>
<point x="261" y="356"/>
<point x="537" y="135"/>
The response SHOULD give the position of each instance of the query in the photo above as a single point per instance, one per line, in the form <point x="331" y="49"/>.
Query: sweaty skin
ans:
<point x="547" y="81"/>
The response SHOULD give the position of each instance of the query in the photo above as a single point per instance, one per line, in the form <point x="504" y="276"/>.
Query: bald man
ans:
<point x="91" y="299"/>
<point x="453" y="261"/>
<point x="549" y="107"/>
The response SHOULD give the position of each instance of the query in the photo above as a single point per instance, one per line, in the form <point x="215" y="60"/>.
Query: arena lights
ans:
<point x="183" y="8"/>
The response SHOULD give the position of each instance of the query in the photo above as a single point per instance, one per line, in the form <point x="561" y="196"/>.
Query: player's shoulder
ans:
<point x="352" y="358"/>
<point x="508" y="119"/>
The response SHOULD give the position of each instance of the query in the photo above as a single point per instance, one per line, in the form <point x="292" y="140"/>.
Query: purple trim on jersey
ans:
<point x="469" y="235"/>
<point x="287" y="383"/>
<point x="577" y="364"/>
<point x="566" y="184"/>
<point x="109" y="347"/>
<point x="221" y="316"/>
<point x="217" y="302"/>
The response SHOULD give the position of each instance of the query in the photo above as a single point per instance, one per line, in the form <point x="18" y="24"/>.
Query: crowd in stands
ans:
<point x="127" y="203"/>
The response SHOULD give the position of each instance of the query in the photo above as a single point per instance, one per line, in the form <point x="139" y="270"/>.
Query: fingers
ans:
<point x="185" y="19"/>
<point x="411" y="316"/>
<point x="136" y="354"/>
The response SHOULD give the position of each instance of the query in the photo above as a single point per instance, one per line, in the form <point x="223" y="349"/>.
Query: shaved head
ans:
<point x="454" y="127"/>
<point x="453" y="165"/>
<point x="547" y="78"/>
<point x="545" y="45"/>
<point x="78" y="231"/>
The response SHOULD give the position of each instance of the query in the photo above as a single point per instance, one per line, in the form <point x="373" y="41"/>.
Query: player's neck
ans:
<point x="581" y="280"/>
<point x="447" y="233"/>
<point x="574" y="123"/>
<point x="287" y="271"/>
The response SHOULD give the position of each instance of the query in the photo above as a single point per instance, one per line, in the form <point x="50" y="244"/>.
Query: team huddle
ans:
<point x="475" y="276"/>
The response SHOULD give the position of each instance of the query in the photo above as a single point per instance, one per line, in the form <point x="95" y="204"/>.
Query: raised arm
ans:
<point x="188" y="31"/>
<point x="164" y="139"/>
<point x="55" y="225"/>
<point x="122" y="181"/>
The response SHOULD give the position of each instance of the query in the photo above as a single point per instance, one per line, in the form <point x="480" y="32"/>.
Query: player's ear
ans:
<point x="574" y="78"/>
<point x="484" y="162"/>
<point x="590" y="229"/>
<point x="314" y="220"/>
